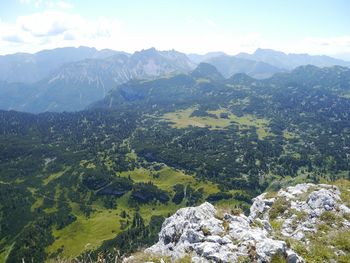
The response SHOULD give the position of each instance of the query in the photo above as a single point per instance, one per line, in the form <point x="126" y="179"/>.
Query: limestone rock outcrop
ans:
<point x="301" y="209"/>
<point x="199" y="232"/>
<point x="294" y="214"/>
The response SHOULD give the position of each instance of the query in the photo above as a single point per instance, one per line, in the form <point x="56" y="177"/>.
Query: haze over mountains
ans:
<point x="70" y="79"/>
<point x="29" y="68"/>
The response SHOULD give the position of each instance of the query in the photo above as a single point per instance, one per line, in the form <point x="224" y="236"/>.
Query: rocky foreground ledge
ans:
<point x="279" y="224"/>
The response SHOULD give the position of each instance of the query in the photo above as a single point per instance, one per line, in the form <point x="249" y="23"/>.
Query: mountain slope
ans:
<point x="230" y="65"/>
<point x="205" y="71"/>
<point x="196" y="58"/>
<point x="76" y="85"/>
<point x="29" y="68"/>
<point x="82" y="183"/>
<point x="286" y="112"/>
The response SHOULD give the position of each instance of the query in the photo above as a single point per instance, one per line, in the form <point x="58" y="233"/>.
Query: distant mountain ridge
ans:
<point x="77" y="84"/>
<point x="70" y="79"/>
<point x="205" y="80"/>
<point x="230" y="65"/>
<point x="29" y="68"/>
<point x="291" y="61"/>
<point x="263" y="63"/>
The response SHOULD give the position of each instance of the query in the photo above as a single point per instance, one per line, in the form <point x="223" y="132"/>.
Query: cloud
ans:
<point x="51" y="4"/>
<point x="48" y="23"/>
<point x="320" y="45"/>
<point x="50" y="29"/>
<point x="13" y="38"/>
<point x="64" y="5"/>
<point x="60" y="28"/>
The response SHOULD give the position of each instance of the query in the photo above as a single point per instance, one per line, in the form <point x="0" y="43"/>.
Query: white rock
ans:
<point x="183" y="233"/>
<point x="198" y="232"/>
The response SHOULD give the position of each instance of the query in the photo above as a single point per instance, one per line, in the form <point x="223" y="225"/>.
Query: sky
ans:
<point x="190" y="26"/>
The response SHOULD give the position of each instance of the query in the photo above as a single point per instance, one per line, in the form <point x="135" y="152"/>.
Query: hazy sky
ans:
<point x="232" y="26"/>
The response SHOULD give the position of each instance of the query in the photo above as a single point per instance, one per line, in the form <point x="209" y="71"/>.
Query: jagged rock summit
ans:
<point x="200" y="232"/>
<point x="301" y="209"/>
<point x="276" y="221"/>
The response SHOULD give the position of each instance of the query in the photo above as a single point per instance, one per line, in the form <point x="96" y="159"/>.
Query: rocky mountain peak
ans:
<point x="206" y="70"/>
<point x="276" y="224"/>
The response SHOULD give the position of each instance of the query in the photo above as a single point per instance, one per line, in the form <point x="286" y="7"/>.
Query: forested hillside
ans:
<point x="106" y="177"/>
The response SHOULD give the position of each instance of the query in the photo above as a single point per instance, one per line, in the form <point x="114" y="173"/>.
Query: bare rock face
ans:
<point x="301" y="209"/>
<point x="199" y="232"/>
<point x="292" y="214"/>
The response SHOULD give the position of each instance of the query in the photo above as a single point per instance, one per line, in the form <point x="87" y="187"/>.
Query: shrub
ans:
<point x="276" y="224"/>
<point x="342" y="241"/>
<point x="205" y="231"/>
<point x="278" y="258"/>
<point x="148" y="192"/>
<point x="218" y="196"/>
<point x="279" y="207"/>
<point x="329" y="217"/>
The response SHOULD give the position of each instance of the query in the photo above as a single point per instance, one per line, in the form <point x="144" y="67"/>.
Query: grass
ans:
<point x="5" y="252"/>
<point x="346" y="95"/>
<point x="87" y="164"/>
<point x="344" y="186"/>
<point x="276" y="224"/>
<point x="38" y="202"/>
<point x="278" y="207"/>
<point x="167" y="177"/>
<point x="327" y="241"/>
<point x="86" y="233"/>
<point x="278" y="258"/>
<point x="324" y="244"/>
<point x="89" y="233"/>
<point x="54" y="176"/>
<point x="270" y="194"/>
<point x="103" y="224"/>
<point x="329" y="217"/>
<point x="342" y="241"/>
<point x="203" y="80"/>
<point x="205" y="231"/>
<point x="141" y="257"/>
<point x="183" y="119"/>
<point x="289" y="135"/>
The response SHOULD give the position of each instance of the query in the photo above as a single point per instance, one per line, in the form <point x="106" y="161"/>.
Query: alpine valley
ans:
<point x="100" y="147"/>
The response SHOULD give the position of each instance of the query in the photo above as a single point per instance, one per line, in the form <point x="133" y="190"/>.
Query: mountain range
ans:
<point x="70" y="79"/>
<point x="29" y="68"/>
<point x="291" y="61"/>
<point x="75" y="85"/>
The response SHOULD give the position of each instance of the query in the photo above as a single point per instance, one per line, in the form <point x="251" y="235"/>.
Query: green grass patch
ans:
<point x="54" y="176"/>
<point x="167" y="177"/>
<point x="271" y="194"/>
<point x="346" y="95"/>
<point x="5" y="252"/>
<point x="38" y="202"/>
<point x="276" y="224"/>
<point x="344" y="186"/>
<point x="103" y="224"/>
<point x="289" y="135"/>
<point x="86" y="233"/>
<point x="183" y="119"/>
<point x="278" y="207"/>
<point x="342" y="241"/>
<point x="203" y="80"/>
